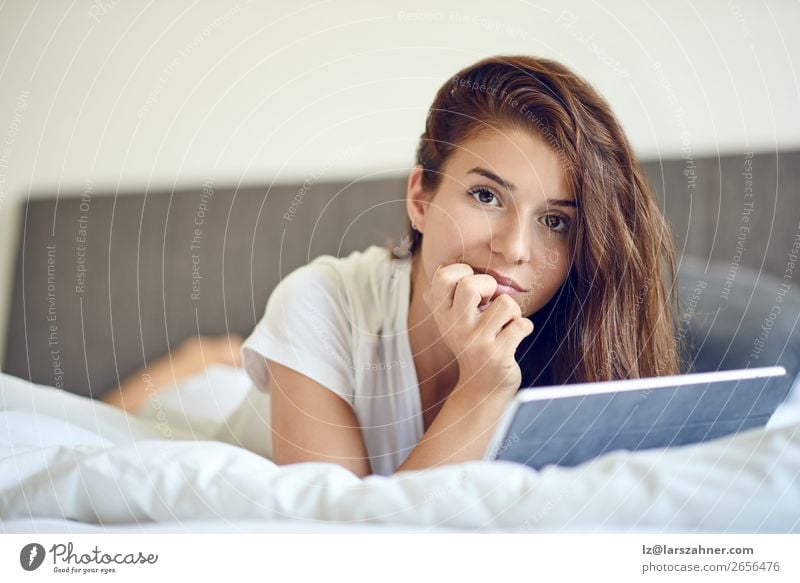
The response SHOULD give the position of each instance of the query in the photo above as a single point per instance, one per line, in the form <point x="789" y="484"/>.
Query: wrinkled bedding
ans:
<point x="200" y="455"/>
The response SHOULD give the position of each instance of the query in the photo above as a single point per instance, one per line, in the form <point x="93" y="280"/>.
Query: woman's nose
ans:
<point x="512" y="239"/>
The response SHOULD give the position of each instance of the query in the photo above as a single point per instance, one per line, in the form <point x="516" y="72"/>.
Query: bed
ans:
<point x="70" y="464"/>
<point x="198" y="457"/>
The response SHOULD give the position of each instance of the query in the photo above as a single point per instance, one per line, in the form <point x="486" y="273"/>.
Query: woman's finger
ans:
<point x="470" y="291"/>
<point x="500" y="312"/>
<point x="444" y="282"/>
<point x="513" y="333"/>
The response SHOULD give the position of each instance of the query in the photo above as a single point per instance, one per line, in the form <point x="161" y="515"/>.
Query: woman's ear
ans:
<point x="416" y="199"/>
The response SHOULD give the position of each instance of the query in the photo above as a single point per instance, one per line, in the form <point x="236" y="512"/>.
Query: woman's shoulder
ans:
<point x="349" y="278"/>
<point x="373" y="258"/>
<point x="365" y="285"/>
<point x="356" y="271"/>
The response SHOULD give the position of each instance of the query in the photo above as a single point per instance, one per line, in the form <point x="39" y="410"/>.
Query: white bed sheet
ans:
<point x="64" y="458"/>
<point x="57" y="526"/>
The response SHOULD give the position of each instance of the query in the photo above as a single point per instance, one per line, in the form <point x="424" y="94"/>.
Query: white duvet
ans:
<point x="67" y="457"/>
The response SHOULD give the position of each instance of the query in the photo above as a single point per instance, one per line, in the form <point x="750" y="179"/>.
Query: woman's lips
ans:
<point x="505" y="285"/>
<point x="507" y="289"/>
<point x="501" y="289"/>
<point x="502" y="280"/>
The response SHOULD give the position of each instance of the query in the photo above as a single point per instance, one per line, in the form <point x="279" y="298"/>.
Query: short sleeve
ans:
<point x="305" y="327"/>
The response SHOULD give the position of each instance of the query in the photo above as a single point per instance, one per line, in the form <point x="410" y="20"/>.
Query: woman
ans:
<point x="536" y="256"/>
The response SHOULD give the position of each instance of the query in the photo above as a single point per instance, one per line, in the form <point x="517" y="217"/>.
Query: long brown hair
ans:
<point x="615" y="315"/>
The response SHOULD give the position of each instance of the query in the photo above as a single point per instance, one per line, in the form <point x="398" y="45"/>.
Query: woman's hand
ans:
<point x="483" y="340"/>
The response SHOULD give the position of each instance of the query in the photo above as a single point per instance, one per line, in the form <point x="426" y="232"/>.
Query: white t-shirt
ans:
<point x="344" y="323"/>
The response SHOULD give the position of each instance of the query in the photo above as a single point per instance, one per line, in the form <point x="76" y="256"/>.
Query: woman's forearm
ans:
<point x="461" y="431"/>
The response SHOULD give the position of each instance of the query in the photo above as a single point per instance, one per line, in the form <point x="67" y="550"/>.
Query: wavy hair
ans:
<point x="614" y="316"/>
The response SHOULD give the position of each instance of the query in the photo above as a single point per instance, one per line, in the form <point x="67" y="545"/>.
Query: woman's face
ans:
<point x="502" y="207"/>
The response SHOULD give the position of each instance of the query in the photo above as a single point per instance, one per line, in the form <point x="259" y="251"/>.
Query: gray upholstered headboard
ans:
<point x="104" y="281"/>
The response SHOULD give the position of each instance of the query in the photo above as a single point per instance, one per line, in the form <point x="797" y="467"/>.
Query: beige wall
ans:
<point x="124" y="94"/>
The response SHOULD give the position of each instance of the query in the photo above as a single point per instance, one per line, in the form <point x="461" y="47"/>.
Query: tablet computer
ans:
<point x="570" y="424"/>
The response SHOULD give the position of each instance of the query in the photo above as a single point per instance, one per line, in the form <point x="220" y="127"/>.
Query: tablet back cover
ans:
<point x="571" y="430"/>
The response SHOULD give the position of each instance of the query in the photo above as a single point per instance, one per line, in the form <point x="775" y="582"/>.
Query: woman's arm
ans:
<point x="485" y="341"/>
<point x="189" y="358"/>
<point x="311" y="423"/>
<point x="462" y="429"/>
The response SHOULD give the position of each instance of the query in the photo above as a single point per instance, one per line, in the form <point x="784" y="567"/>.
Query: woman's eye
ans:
<point x="484" y="196"/>
<point x="556" y="222"/>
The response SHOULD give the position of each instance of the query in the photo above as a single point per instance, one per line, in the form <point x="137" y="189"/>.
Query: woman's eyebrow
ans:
<point x="560" y="202"/>
<point x="511" y="187"/>
<point x="492" y="176"/>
